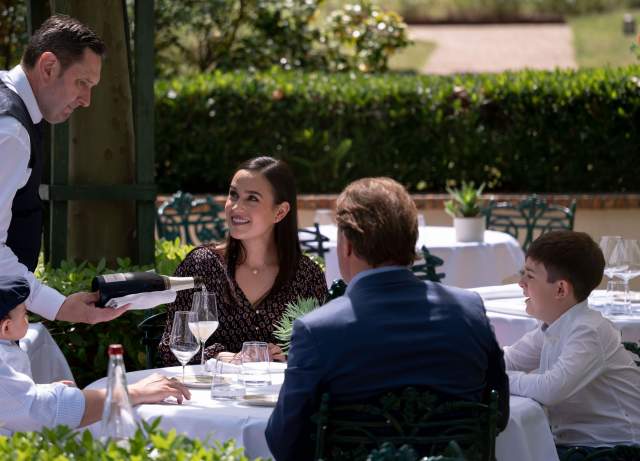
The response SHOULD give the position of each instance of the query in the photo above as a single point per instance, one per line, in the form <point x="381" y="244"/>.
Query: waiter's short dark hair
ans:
<point x="65" y="37"/>
<point x="572" y="256"/>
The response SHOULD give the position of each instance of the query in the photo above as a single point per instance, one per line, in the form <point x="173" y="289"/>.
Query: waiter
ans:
<point x="60" y="66"/>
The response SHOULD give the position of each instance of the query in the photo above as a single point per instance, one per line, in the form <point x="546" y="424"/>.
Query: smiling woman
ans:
<point x="259" y="269"/>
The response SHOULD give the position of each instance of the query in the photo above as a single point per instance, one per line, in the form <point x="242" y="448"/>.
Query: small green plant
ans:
<point x="465" y="201"/>
<point x="284" y="328"/>
<point x="149" y="443"/>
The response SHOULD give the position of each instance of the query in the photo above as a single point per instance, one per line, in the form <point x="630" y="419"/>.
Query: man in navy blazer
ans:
<point x="388" y="331"/>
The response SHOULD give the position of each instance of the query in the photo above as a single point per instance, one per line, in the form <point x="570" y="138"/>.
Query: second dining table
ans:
<point x="466" y="264"/>
<point x="527" y="433"/>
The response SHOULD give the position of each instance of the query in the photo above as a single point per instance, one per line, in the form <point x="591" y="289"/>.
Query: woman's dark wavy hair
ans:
<point x="283" y="185"/>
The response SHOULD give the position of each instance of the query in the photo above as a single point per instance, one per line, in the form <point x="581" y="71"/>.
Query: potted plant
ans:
<point x="464" y="207"/>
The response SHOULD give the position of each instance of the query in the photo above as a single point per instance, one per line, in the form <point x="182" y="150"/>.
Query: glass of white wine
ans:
<point x="205" y="308"/>
<point x="182" y="342"/>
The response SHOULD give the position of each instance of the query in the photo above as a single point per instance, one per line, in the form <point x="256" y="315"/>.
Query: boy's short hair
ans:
<point x="572" y="256"/>
<point x="14" y="290"/>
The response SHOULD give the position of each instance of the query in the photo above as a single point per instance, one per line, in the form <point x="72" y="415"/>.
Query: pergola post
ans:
<point x="57" y="191"/>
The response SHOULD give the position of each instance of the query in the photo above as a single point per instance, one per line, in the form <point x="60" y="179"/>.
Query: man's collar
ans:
<point x="21" y="85"/>
<point x="377" y="270"/>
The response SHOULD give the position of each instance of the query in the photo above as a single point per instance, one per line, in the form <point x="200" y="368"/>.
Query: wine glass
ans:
<point x="206" y="318"/>
<point x="608" y="245"/>
<point x="182" y="342"/>
<point x="627" y="257"/>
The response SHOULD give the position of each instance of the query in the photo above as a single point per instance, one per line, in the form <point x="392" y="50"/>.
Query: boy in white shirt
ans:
<point x="573" y="362"/>
<point x="27" y="406"/>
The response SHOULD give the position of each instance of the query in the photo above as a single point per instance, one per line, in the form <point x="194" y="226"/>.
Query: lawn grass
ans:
<point x="598" y="39"/>
<point x="412" y="58"/>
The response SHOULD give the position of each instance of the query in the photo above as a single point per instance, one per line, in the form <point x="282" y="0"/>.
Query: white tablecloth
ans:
<point x="465" y="264"/>
<point x="526" y="437"/>
<point x="506" y="311"/>
<point x="47" y="361"/>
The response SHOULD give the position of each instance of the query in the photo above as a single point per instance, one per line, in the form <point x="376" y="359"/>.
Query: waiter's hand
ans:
<point x="80" y="308"/>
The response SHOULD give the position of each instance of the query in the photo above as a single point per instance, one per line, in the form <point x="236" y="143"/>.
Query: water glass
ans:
<point x="255" y="364"/>
<point x="617" y="302"/>
<point x="225" y="382"/>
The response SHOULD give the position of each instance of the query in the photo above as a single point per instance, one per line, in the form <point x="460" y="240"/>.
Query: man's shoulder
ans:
<point x="331" y="312"/>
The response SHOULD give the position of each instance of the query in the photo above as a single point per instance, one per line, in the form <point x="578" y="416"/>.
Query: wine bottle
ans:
<point x="118" y="285"/>
<point x="118" y="421"/>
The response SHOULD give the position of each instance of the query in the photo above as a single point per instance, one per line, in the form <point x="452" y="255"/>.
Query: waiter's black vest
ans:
<point x="25" y="230"/>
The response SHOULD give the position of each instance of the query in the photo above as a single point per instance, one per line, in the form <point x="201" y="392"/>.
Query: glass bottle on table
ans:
<point x="182" y="341"/>
<point x="118" y="422"/>
<point x="205" y="308"/>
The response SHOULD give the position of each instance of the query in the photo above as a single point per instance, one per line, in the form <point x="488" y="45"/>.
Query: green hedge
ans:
<point x="563" y="131"/>
<point x="63" y="444"/>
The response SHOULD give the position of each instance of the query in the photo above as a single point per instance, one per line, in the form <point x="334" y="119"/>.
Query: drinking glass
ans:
<point x="204" y="307"/>
<point x="627" y="257"/>
<point x="182" y="342"/>
<point x="255" y="364"/>
<point x="615" y="302"/>
<point x="225" y="383"/>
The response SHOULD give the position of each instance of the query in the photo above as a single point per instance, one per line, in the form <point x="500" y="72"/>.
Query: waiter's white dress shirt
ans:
<point x="26" y="406"/>
<point x="578" y="368"/>
<point x="15" y="357"/>
<point x="15" y="151"/>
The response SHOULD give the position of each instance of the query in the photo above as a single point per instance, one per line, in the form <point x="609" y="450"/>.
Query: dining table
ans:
<point x="505" y="306"/>
<point x="466" y="264"/>
<point x="527" y="435"/>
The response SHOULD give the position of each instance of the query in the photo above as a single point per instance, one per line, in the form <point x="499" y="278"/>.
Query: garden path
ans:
<point x="495" y="48"/>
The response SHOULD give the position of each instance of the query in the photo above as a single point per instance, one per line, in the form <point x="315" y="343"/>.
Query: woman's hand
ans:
<point x="229" y="357"/>
<point x="276" y="354"/>
<point x="156" y="388"/>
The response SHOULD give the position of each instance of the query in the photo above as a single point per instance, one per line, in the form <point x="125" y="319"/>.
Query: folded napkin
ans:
<point x="226" y="366"/>
<point x="274" y="367"/>
<point x="141" y="301"/>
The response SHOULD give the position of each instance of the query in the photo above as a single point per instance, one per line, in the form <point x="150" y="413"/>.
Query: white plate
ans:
<point x="261" y="400"/>
<point x="277" y="367"/>
<point x="196" y="381"/>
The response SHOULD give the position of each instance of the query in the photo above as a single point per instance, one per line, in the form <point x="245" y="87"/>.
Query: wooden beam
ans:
<point x="143" y="114"/>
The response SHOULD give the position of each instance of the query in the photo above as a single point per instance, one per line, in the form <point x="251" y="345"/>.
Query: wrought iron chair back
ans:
<point x="617" y="453"/>
<point x="152" y="328"/>
<point x="634" y="348"/>
<point x="312" y="241"/>
<point x="388" y="452"/>
<point x="427" y="270"/>
<point x="529" y="218"/>
<point x="420" y="419"/>
<point x="194" y="221"/>
<point x="337" y="289"/>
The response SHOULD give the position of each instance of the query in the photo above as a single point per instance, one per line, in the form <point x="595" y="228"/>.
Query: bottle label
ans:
<point x="110" y="278"/>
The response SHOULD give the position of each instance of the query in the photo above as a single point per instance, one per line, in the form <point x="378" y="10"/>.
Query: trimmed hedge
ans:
<point x="148" y="444"/>
<point x="562" y="131"/>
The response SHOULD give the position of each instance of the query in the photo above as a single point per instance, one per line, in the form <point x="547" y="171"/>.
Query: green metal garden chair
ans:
<point x="529" y="218"/>
<point x="194" y="221"/>
<point x="152" y="328"/>
<point x="312" y="241"/>
<point x="617" y="453"/>
<point x="427" y="270"/>
<point x="420" y="419"/>
<point x="388" y="452"/>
